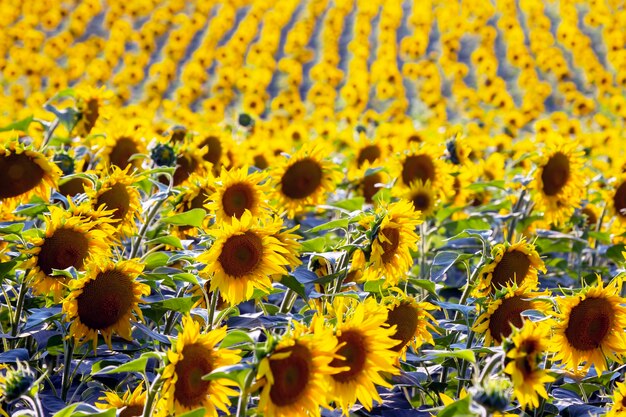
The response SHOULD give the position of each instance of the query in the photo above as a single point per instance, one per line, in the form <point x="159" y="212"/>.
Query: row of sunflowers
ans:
<point x="321" y="208"/>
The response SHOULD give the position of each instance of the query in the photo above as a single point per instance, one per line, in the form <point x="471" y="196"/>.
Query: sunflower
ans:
<point x="366" y="348"/>
<point x="590" y="327"/>
<point x="505" y="311"/>
<point x="517" y="263"/>
<point x="392" y="242"/>
<point x="104" y="301"/>
<point x="558" y="183"/>
<point x="116" y="192"/>
<point x="69" y="241"/>
<point x="617" y="203"/>
<point x="120" y="143"/>
<point x="294" y="375"/>
<point x="366" y="152"/>
<point x="237" y="191"/>
<point x="192" y="356"/>
<point x="423" y="197"/>
<point x="243" y="257"/>
<point x="412" y="320"/>
<point x="369" y="181"/>
<point x="92" y="106"/>
<point x="524" y="355"/>
<point x="424" y="162"/>
<point x="193" y="196"/>
<point x="25" y="173"/>
<point x="189" y="162"/>
<point x="303" y="180"/>
<point x="131" y="404"/>
<point x="290" y="242"/>
<point x="619" y="401"/>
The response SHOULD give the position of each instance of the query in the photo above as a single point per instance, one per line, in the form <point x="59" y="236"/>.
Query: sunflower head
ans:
<point x="589" y="327"/>
<point x="619" y="400"/>
<point x="25" y="173"/>
<point x="512" y="264"/>
<point x="238" y="191"/>
<point x="558" y="183"/>
<point x="303" y="180"/>
<point x="296" y="371"/>
<point x="504" y="313"/>
<point x="131" y="403"/>
<point x="104" y="301"/>
<point x="69" y="241"/>
<point x="366" y="349"/>
<point x="192" y="356"/>
<point x="245" y="255"/>
<point x="423" y="197"/>
<point x="524" y="356"/>
<point x="393" y="237"/>
<point x="92" y="106"/>
<point x="412" y="319"/>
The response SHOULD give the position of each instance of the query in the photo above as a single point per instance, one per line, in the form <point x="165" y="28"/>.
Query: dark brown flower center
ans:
<point x="619" y="200"/>
<point x="355" y="353"/>
<point x="404" y="316"/>
<point x="513" y="267"/>
<point x="132" y="411"/>
<point x="301" y="179"/>
<point x="73" y="186"/>
<point x="117" y="199"/>
<point x="260" y="162"/>
<point x="91" y="114"/>
<point x="508" y="313"/>
<point x="241" y="254"/>
<point x="418" y="167"/>
<point x="589" y="323"/>
<point x="65" y="248"/>
<point x="122" y="151"/>
<point x="555" y="174"/>
<point x="105" y="300"/>
<point x="186" y="165"/>
<point x="368" y="185"/>
<point x="369" y="153"/>
<point x="214" y="153"/>
<point x="590" y="217"/>
<point x="237" y="198"/>
<point x="390" y="246"/>
<point x="20" y="174"/>
<point x="190" y="389"/>
<point x="421" y="201"/>
<point x="291" y="375"/>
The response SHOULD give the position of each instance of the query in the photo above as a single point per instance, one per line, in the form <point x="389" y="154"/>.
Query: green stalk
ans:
<point x="19" y="306"/>
<point x="215" y="296"/>
<point x="144" y="227"/>
<point x="242" y="405"/>
<point x="152" y="391"/>
<point x="66" y="380"/>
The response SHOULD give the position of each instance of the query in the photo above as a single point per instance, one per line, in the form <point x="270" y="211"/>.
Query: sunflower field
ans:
<point x="315" y="208"/>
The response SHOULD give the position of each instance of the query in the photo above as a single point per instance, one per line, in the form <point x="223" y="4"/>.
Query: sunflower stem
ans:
<point x="242" y="405"/>
<point x="152" y="391"/>
<point x="215" y="296"/>
<point x="423" y="247"/>
<point x="49" y="134"/>
<point x="516" y="209"/>
<point x="144" y="227"/>
<point x="19" y="306"/>
<point x="66" y="380"/>
<point x="34" y="402"/>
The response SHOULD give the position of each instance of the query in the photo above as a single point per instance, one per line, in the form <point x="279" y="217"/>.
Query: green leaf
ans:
<point x="615" y="253"/>
<point x="67" y="411"/>
<point x="235" y="337"/>
<point x="236" y="373"/>
<point x="333" y="224"/>
<point x="293" y="284"/>
<point x="182" y="305"/>
<point x="136" y="365"/>
<point x="373" y="286"/>
<point x="602" y="237"/>
<point x="464" y="354"/>
<point x="155" y="260"/>
<point x="166" y="240"/>
<point x="442" y="263"/>
<point x="460" y="408"/>
<point x="12" y="228"/>
<point x="351" y="204"/>
<point x="200" y="412"/>
<point x="425" y="284"/>
<point x="317" y="244"/>
<point x="192" y="217"/>
<point x="187" y="277"/>
<point x="6" y="267"/>
<point x="20" y="125"/>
